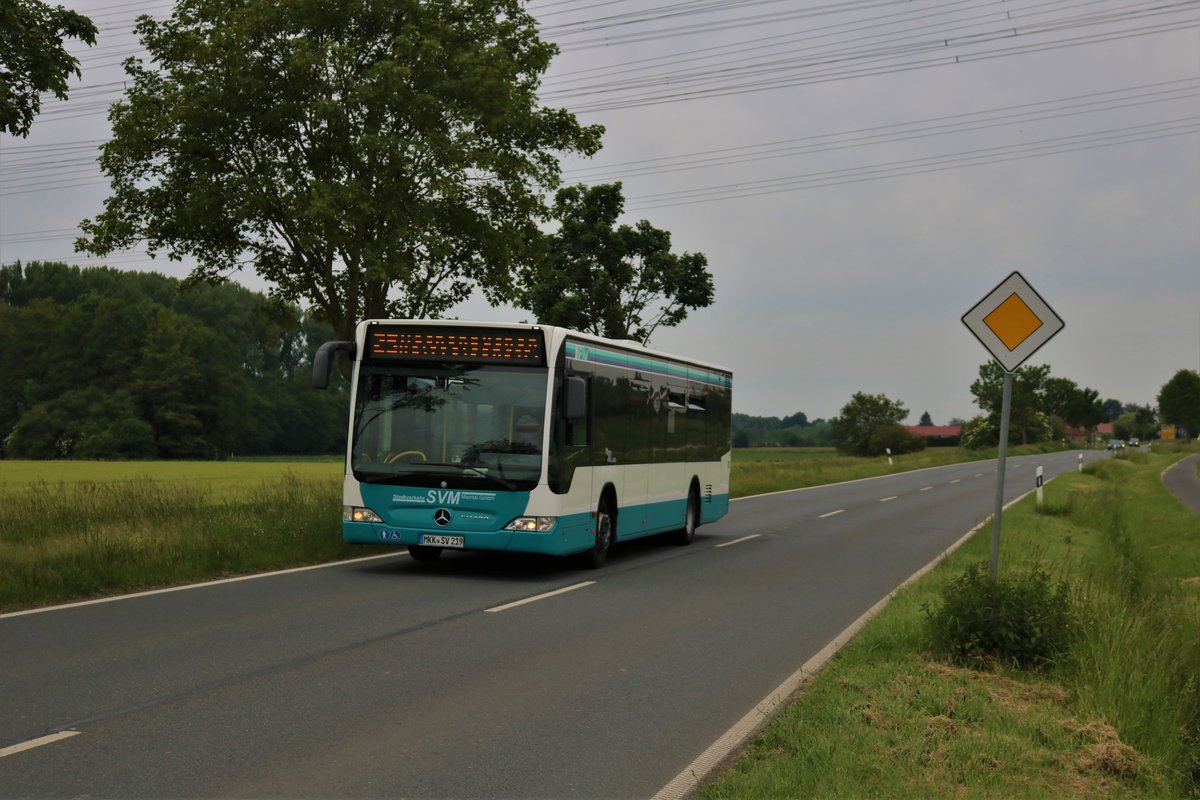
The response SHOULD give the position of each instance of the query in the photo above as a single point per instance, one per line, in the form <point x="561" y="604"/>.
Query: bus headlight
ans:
<point x="532" y="524"/>
<point x="356" y="514"/>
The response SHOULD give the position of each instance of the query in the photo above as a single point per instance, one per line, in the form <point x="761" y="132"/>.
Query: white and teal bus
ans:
<point x="526" y="438"/>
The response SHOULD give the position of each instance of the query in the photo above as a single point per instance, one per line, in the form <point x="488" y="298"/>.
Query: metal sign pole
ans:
<point x="1005" y="407"/>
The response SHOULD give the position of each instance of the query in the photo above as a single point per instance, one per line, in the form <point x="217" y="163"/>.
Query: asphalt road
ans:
<point x="1182" y="480"/>
<point x="391" y="678"/>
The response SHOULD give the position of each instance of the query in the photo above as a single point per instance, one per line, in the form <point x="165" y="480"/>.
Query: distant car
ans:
<point x="1116" y="444"/>
<point x="1135" y="442"/>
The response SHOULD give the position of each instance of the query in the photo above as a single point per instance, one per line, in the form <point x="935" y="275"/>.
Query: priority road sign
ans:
<point x="1013" y="321"/>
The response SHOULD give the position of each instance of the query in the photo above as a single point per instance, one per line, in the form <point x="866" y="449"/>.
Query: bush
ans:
<point x="895" y="437"/>
<point x="1024" y="623"/>
<point x="979" y="433"/>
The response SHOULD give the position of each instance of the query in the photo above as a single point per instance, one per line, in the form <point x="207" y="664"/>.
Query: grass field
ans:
<point x="771" y="469"/>
<point x="216" y="478"/>
<point x="72" y="530"/>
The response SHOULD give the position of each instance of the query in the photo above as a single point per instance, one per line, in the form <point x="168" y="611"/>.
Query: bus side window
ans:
<point x="578" y="406"/>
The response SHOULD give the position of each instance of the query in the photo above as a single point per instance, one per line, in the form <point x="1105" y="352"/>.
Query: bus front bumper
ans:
<point x="570" y="535"/>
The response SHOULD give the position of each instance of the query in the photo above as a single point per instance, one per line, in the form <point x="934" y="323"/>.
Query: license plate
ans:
<point x="439" y="540"/>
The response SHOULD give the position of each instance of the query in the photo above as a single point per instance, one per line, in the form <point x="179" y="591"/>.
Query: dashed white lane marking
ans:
<point x="12" y="750"/>
<point x="537" y="597"/>
<point x="956" y="480"/>
<point x="739" y="541"/>
<point x="926" y="488"/>
<point x="885" y="499"/>
<point x="833" y="513"/>
<point x="978" y="474"/>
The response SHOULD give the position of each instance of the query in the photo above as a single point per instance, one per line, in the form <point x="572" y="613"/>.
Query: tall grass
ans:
<point x="1137" y="662"/>
<point x="67" y="541"/>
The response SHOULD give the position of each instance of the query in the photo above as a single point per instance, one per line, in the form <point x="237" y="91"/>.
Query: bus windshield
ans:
<point x="449" y="425"/>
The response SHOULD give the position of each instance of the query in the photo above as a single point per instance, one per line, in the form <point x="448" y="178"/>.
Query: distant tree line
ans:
<point x="100" y="363"/>
<point x="791" y="431"/>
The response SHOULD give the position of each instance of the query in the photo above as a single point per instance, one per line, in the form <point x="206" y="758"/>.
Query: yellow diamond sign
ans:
<point x="1013" y="321"/>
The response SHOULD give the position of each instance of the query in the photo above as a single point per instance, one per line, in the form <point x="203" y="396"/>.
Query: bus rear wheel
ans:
<point x="691" y="519"/>
<point x="423" y="552"/>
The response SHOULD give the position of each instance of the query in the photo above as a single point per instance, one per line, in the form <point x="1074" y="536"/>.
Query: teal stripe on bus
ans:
<point x="599" y="355"/>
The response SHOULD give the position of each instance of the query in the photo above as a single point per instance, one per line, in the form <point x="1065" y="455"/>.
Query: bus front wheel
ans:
<point x="605" y="525"/>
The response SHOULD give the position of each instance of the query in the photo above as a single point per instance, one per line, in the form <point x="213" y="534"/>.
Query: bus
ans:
<point x="526" y="438"/>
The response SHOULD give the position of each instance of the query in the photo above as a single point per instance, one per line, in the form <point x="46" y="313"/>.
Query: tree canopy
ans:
<point x="1042" y="405"/>
<point x="619" y="281"/>
<point x="377" y="158"/>
<point x="870" y="424"/>
<point x="100" y="363"/>
<point x="1179" y="401"/>
<point x="33" y="59"/>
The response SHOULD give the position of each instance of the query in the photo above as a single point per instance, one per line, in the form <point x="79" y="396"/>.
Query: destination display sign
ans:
<point x="458" y="345"/>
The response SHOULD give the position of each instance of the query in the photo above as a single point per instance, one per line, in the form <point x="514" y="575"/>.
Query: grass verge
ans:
<point x="1118" y="715"/>
<point x="69" y="541"/>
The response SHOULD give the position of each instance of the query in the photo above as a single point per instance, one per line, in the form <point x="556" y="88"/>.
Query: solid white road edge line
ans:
<point x="537" y="597"/>
<point x="688" y="781"/>
<point x="739" y="541"/>
<point x="12" y="750"/>
<point x="189" y="586"/>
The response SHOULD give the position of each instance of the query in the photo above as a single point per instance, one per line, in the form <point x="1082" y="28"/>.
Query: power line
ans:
<point x="888" y="134"/>
<point x="864" y="38"/>
<point x="917" y="166"/>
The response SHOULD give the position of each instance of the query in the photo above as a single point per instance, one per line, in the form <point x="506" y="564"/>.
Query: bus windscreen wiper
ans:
<point x="471" y="471"/>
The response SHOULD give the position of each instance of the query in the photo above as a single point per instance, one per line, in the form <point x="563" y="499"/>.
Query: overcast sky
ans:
<point x="859" y="175"/>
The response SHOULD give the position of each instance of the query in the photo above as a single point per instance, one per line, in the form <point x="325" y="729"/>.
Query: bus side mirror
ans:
<point x="323" y="361"/>
<point x="576" y="398"/>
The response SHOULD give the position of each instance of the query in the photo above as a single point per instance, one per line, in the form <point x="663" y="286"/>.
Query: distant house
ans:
<point x="1083" y="436"/>
<point x="938" y="435"/>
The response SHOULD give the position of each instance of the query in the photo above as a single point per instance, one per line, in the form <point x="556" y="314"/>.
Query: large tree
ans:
<point x="33" y="59"/>
<point x="377" y="158"/>
<point x="1027" y="417"/>
<point x="1080" y="407"/>
<point x="1179" y="401"/>
<point x="869" y="423"/>
<point x="620" y="281"/>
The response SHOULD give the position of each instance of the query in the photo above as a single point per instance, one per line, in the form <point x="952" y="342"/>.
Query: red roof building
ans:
<point x="936" y="431"/>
